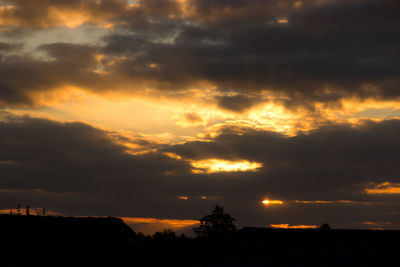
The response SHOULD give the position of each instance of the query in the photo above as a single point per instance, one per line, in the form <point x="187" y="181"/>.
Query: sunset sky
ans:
<point x="285" y="112"/>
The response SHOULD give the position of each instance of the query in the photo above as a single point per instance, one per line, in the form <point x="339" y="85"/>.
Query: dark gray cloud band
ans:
<point x="326" y="51"/>
<point x="79" y="169"/>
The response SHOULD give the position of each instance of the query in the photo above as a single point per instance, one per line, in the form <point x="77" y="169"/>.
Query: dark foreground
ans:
<point x="68" y="241"/>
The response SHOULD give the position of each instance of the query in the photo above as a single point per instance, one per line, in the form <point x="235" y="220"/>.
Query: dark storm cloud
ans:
<point x="226" y="12"/>
<point x="21" y="77"/>
<point x="325" y="52"/>
<point x="70" y="157"/>
<point x="333" y="161"/>
<point x="328" y="50"/>
<point x="75" y="168"/>
<point x="359" y="15"/>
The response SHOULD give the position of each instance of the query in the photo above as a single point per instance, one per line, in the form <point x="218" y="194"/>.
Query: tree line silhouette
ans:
<point x="75" y="241"/>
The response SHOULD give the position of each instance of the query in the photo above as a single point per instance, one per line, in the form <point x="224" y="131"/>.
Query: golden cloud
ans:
<point x="218" y="165"/>
<point x="104" y="14"/>
<point x="385" y="188"/>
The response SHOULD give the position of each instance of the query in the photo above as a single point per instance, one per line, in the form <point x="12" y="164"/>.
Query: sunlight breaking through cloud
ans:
<point x="217" y="165"/>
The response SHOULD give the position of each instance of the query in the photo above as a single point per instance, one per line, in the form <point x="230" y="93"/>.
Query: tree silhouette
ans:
<point x="165" y="235"/>
<point x="216" y="225"/>
<point x="325" y="227"/>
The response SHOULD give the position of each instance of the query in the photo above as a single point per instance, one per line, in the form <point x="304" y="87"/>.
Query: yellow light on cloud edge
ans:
<point x="218" y="165"/>
<point x="385" y="188"/>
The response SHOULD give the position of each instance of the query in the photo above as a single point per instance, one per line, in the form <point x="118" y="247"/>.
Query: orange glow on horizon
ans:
<point x="287" y="226"/>
<point x="183" y="197"/>
<point x="173" y="222"/>
<point x="149" y="226"/>
<point x="376" y="223"/>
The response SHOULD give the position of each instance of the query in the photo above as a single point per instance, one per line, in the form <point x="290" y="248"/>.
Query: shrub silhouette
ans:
<point x="216" y="225"/>
<point x="165" y="235"/>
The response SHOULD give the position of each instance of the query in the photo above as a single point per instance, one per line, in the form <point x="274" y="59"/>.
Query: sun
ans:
<point x="267" y="202"/>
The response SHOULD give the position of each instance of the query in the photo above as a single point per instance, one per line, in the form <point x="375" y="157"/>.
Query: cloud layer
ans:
<point x="236" y="78"/>
<point x="80" y="169"/>
<point x="325" y="50"/>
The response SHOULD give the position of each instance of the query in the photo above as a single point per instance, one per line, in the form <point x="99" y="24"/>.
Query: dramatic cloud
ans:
<point x="231" y="45"/>
<point x="80" y="169"/>
<point x="22" y="77"/>
<point x="332" y="161"/>
<point x="75" y="158"/>
<point x="163" y="108"/>
<point x="74" y="13"/>
<point x="304" y="59"/>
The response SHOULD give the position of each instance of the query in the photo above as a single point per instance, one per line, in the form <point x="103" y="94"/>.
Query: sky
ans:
<point x="284" y="112"/>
